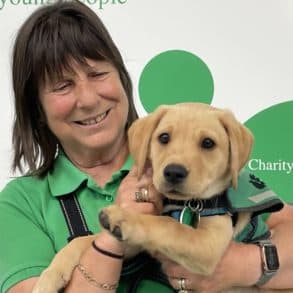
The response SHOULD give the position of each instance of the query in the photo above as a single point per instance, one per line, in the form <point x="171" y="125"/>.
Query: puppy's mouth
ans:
<point x="177" y="191"/>
<point x="93" y="120"/>
<point x="177" y="194"/>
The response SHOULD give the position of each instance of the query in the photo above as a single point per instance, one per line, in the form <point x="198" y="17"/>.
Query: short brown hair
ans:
<point x="49" y="39"/>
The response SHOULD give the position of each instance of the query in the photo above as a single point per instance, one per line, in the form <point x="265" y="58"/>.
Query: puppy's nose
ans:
<point x="175" y="173"/>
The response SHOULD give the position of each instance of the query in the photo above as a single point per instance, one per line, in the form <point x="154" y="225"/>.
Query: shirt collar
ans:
<point x="64" y="178"/>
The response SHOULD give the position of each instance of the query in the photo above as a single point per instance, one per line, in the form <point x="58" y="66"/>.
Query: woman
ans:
<point x="73" y="103"/>
<point x="73" y="106"/>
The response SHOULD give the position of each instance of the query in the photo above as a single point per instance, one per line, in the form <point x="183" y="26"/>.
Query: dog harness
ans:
<point x="251" y="195"/>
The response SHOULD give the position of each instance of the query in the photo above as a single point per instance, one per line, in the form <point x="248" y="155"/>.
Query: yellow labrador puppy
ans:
<point x="196" y="152"/>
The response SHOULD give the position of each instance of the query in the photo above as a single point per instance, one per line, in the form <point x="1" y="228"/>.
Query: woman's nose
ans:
<point x="86" y="94"/>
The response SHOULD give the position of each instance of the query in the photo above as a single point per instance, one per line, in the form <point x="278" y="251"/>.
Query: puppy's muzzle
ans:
<point x="175" y="173"/>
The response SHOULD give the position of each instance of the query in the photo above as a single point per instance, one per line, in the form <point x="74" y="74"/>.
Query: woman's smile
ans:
<point x="93" y="121"/>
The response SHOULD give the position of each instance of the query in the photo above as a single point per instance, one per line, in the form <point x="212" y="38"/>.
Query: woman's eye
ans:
<point x="207" y="143"/>
<point x="61" y="86"/>
<point x="164" y="138"/>
<point x="97" y="74"/>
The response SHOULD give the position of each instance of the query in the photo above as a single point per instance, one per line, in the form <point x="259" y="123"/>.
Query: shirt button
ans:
<point x="109" y="198"/>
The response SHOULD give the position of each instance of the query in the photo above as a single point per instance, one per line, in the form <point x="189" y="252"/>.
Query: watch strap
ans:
<point x="265" y="277"/>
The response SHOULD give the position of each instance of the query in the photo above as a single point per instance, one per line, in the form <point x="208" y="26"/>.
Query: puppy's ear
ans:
<point x="139" y="136"/>
<point x="241" y="142"/>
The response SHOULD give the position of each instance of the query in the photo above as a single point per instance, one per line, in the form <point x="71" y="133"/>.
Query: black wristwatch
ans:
<point x="270" y="261"/>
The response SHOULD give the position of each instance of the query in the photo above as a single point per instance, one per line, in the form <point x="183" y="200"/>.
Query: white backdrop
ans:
<point x="247" y="45"/>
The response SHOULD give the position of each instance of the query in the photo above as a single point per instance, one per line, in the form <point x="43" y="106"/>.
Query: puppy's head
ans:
<point x="195" y="150"/>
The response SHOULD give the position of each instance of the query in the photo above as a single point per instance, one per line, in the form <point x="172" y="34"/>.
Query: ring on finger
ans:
<point x="142" y="195"/>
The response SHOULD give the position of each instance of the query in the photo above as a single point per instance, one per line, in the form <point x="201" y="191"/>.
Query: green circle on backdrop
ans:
<point x="272" y="156"/>
<point x="175" y="76"/>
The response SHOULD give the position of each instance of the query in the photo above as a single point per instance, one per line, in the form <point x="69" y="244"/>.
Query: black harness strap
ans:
<point x="74" y="217"/>
<point x="134" y="270"/>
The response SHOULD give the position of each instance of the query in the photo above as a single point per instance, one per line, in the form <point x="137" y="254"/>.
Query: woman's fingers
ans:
<point x="139" y="194"/>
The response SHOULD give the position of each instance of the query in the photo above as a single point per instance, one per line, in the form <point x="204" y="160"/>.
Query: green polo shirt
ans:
<point x="32" y="225"/>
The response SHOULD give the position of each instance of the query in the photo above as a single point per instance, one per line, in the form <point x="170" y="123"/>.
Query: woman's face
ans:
<point x="86" y="110"/>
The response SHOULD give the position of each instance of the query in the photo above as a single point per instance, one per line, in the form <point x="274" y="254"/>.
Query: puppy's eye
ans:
<point x="164" y="138"/>
<point x="207" y="143"/>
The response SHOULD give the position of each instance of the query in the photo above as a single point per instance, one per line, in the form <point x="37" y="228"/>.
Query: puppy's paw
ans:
<point x="50" y="281"/>
<point x="118" y="222"/>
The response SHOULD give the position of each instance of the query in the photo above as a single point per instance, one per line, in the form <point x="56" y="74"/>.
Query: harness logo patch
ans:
<point x="256" y="182"/>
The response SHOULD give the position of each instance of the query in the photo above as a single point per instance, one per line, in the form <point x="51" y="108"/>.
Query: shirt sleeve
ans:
<point x="25" y="247"/>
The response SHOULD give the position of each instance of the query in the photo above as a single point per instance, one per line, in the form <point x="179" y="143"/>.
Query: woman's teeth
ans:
<point x="93" y="121"/>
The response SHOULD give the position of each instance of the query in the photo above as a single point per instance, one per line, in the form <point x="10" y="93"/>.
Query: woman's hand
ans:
<point x="127" y="200"/>
<point x="240" y="266"/>
<point x="130" y="185"/>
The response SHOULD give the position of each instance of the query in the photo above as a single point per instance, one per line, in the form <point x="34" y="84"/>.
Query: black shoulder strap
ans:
<point x="134" y="270"/>
<point x="73" y="215"/>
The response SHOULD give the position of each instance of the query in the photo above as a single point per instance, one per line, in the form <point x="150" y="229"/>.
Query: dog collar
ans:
<point x="189" y="212"/>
